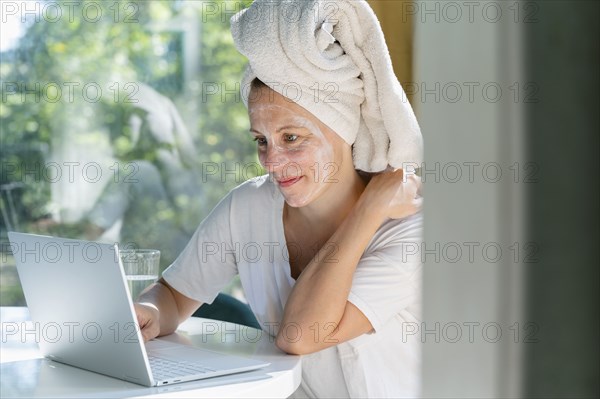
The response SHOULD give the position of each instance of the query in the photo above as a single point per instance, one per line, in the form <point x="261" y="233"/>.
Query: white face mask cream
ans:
<point x="294" y="150"/>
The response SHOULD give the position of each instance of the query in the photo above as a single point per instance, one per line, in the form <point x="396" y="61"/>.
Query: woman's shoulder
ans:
<point x="255" y="184"/>
<point x="399" y="231"/>
<point x="409" y="223"/>
<point x="259" y="188"/>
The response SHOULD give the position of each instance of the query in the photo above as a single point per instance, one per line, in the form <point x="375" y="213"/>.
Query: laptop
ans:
<point x="83" y="316"/>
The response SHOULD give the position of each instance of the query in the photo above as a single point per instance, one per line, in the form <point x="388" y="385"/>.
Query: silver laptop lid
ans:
<point x="78" y="300"/>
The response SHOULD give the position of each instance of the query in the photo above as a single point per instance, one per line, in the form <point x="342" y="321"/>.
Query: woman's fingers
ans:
<point x="413" y="183"/>
<point x="395" y="194"/>
<point x="148" y="321"/>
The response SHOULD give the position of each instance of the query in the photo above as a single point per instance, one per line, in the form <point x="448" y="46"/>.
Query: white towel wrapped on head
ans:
<point x="330" y="57"/>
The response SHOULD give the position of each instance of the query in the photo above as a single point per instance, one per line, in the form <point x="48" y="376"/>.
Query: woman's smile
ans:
<point x="287" y="182"/>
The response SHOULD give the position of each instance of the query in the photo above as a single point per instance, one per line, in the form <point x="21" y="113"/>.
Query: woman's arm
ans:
<point x="161" y="308"/>
<point x="319" y="299"/>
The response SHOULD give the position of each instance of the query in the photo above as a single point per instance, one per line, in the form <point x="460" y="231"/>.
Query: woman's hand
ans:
<point x="160" y="309"/>
<point x="393" y="194"/>
<point x="148" y="318"/>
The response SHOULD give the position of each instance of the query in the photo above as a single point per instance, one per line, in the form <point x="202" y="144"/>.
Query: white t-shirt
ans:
<point x="244" y="235"/>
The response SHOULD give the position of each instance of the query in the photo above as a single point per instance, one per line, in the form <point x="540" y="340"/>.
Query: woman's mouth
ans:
<point x="288" y="182"/>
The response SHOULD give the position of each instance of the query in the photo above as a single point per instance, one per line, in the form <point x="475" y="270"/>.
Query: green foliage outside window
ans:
<point x="135" y="43"/>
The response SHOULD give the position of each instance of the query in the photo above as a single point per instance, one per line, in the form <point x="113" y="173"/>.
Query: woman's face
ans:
<point x="302" y="155"/>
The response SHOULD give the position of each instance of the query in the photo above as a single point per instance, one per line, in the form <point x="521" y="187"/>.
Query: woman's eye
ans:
<point x="290" y="138"/>
<point x="261" y="141"/>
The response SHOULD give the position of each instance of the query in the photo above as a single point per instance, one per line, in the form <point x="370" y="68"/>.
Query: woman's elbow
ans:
<point x="295" y="347"/>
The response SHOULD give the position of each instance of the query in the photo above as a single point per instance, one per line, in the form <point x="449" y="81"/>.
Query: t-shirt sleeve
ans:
<point x="208" y="262"/>
<point x="387" y="279"/>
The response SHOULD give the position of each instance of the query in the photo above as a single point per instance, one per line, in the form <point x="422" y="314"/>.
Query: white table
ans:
<point x="25" y="374"/>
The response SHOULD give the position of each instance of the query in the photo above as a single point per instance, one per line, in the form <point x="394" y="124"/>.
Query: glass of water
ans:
<point x="141" y="268"/>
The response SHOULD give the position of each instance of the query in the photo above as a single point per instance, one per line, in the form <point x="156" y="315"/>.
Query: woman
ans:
<point x="318" y="246"/>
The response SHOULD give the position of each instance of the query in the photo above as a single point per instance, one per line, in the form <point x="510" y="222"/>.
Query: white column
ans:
<point x="467" y="62"/>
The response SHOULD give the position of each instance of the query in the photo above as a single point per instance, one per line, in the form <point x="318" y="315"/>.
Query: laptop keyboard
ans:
<point x="163" y="369"/>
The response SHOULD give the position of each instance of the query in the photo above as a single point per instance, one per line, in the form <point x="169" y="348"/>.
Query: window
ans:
<point x="121" y="121"/>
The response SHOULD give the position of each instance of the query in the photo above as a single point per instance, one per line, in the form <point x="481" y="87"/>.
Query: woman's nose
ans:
<point x="274" y="159"/>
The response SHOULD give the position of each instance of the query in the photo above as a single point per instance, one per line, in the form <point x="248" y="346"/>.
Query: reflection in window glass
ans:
<point x="120" y="121"/>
